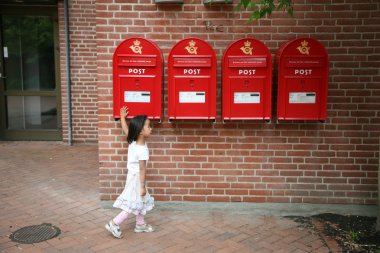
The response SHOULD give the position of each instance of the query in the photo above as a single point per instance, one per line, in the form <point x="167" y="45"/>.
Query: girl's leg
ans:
<point x="140" y="219"/>
<point x="141" y="226"/>
<point x="113" y="225"/>
<point x="122" y="216"/>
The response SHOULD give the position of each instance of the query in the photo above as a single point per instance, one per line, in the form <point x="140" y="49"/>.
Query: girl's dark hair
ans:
<point x="135" y="127"/>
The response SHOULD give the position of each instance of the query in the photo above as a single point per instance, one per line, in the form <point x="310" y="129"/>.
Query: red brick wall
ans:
<point x="82" y="24"/>
<point x="253" y="161"/>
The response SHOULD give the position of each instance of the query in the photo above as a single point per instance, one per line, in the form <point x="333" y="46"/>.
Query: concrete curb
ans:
<point x="273" y="209"/>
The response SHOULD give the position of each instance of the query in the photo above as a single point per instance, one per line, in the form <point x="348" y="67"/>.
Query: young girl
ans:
<point x="135" y="197"/>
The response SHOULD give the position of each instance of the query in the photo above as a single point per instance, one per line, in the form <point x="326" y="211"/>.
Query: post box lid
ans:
<point x="136" y="47"/>
<point x="192" y="47"/>
<point x="247" y="47"/>
<point x="302" y="47"/>
<point x="247" y="52"/>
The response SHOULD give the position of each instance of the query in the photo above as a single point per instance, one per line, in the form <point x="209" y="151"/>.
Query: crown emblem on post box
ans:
<point x="192" y="49"/>
<point x="247" y="49"/>
<point x="136" y="48"/>
<point x="304" y="49"/>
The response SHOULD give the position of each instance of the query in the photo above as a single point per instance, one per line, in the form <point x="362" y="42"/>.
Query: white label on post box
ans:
<point x="5" y="52"/>
<point x="302" y="98"/>
<point x="192" y="97"/>
<point x="137" y="96"/>
<point x="247" y="98"/>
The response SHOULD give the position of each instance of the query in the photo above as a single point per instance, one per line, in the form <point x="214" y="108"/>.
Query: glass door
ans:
<point x="29" y="91"/>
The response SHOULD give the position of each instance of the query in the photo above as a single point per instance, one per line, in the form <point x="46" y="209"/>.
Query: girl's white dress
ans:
<point x="130" y="199"/>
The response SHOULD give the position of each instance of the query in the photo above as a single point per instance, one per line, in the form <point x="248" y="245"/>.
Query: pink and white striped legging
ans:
<point x="123" y="215"/>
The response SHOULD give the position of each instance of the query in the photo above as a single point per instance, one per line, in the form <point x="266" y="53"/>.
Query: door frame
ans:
<point x="32" y="134"/>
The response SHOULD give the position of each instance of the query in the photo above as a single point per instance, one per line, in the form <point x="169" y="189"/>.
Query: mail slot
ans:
<point x="137" y="78"/>
<point x="247" y="81"/>
<point x="192" y="80"/>
<point x="302" y="80"/>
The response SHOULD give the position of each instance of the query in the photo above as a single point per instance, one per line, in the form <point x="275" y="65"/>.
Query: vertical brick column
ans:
<point x="82" y="24"/>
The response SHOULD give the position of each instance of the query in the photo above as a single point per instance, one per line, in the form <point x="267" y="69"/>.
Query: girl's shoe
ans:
<point x="144" y="228"/>
<point x="114" y="229"/>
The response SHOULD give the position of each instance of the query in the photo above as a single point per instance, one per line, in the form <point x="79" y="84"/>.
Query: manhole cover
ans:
<point x="35" y="233"/>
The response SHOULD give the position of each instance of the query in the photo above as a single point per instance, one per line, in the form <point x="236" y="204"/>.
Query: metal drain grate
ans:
<point x="35" y="233"/>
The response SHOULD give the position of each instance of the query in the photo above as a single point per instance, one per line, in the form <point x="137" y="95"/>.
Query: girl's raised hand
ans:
<point x="143" y="191"/>
<point x="124" y="112"/>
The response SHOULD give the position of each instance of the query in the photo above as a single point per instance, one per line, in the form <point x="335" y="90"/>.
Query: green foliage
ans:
<point x="354" y="236"/>
<point x="260" y="8"/>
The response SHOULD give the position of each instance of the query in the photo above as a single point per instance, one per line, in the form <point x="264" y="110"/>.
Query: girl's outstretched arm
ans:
<point x="142" y="164"/>
<point x="123" y="114"/>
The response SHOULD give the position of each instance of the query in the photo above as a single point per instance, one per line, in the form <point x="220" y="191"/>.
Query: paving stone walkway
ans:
<point x="50" y="182"/>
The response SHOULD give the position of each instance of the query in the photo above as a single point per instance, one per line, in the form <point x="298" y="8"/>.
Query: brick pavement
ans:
<point x="49" y="182"/>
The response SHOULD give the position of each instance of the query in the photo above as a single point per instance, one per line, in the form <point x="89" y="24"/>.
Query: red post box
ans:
<point x="192" y="80"/>
<point x="302" y="80"/>
<point x="137" y="78"/>
<point x="247" y="81"/>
